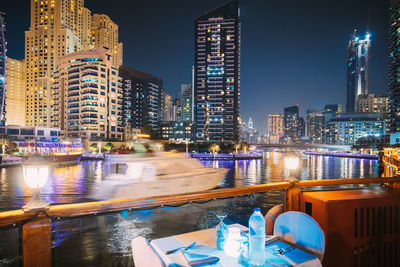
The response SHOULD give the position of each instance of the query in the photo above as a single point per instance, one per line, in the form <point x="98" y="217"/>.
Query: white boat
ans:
<point x="136" y="177"/>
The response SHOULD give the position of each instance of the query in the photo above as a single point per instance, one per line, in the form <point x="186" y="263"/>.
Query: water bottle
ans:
<point x="257" y="238"/>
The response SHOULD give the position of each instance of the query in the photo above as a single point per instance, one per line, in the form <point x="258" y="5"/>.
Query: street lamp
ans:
<point x="36" y="171"/>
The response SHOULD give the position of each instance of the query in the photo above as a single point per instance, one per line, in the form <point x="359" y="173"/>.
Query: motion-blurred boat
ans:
<point x="133" y="176"/>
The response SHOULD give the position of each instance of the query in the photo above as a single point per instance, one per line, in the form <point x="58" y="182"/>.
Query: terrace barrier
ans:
<point x="36" y="225"/>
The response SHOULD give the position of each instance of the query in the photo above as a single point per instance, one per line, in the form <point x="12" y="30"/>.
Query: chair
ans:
<point x="271" y="216"/>
<point x="301" y="230"/>
<point x="144" y="254"/>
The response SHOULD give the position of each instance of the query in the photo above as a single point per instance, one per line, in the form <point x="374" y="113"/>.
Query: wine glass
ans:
<point x="222" y="231"/>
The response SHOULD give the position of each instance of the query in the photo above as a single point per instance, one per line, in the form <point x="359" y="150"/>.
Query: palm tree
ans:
<point x="245" y="147"/>
<point x="4" y="142"/>
<point x="236" y="146"/>
<point x="214" y="148"/>
<point x="93" y="147"/>
<point x="108" y="146"/>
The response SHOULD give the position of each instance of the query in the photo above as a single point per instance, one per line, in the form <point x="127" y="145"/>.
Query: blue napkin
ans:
<point x="199" y="259"/>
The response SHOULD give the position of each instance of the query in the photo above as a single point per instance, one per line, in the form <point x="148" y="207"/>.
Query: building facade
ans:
<point x="315" y="126"/>
<point x="15" y="93"/>
<point x="104" y="32"/>
<point x="167" y="108"/>
<point x="291" y="125"/>
<point x="56" y="29"/>
<point x="217" y="74"/>
<point x="3" y="68"/>
<point x="142" y="98"/>
<point x="357" y="69"/>
<point x="275" y="128"/>
<point x="187" y="102"/>
<point x="177" y="131"/>
<point x="372" y="103"/>
<point x="22" y="133"/>
<point x="87" y="95"/>
<point x="330" y="111"/>
<point x="347" y="128"/>
<point x="394" y="66"/>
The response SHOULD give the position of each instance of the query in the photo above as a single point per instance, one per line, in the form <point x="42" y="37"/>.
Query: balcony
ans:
<point x="85" y="92"/>
<point x="90" y="122"/>
<point x="94" y="116"/>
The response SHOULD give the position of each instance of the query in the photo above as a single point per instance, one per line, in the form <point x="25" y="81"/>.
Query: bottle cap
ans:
<point x="256" y="209"/>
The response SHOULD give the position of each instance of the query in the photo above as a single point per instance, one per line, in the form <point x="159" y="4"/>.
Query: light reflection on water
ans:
<point x="73" y="183"/>
<point x="104" y="240"/>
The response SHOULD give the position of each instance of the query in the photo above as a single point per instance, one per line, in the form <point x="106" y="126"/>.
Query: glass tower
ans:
<point x="291" y="125"/>
<point x="394" y="67"/>
<point x="357" y="69"/>
<point x="217" y="74"/>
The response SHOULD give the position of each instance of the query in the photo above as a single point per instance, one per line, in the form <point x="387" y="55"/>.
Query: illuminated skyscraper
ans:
<point x="142" y="98"/>
<point x="186" y="102"/>
<point x="104" y="32"/>
<point x="315" y="126"/>
<point x="87" y="95"/>
<point x="394" y="67"/>
<point x="56" y="29"/>
<point x="167" y="108"/>
<point x="217" y="74"/>
<point x="15" y="93"/>
<point x="357" y="69"/>
<point x="275" y="128"/>
<point x="291" y="124"/>
<point x="3" y="50"/>
<point x="372" y="103"/>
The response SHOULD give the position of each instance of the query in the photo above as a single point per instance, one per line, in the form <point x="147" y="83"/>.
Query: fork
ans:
<point x="181" y="248"/>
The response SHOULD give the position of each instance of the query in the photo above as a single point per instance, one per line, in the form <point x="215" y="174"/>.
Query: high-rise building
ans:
<point x="104" y="32"/>
<point x="168" y="108"/>
<point x="357" y="69"/>
<point x="217" y="74"/>
<point x="330" y="111"/>
<point x="87" y="95"/>
<point x="347" y="128"/>
<point x="372" y="103"/>
<point x="177" y="131"/>
<point x="177" y="109"/>
<point x="291" y="125"/>
<point x="275" y="128"/>
<point x="56" y="29"/>
<point x="302" y="127"/>
<point x="15" y="93"/>
<point x="252" y="133"/>
<point x="142" y="98"/>
<point x="394" y="66"/>
<point x="3" y="68"/>
<point x="186" y="102"/>
<point x="315" y="126"/>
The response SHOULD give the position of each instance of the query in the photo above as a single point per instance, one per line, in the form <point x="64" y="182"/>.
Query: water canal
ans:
<point x="104" y="240"/>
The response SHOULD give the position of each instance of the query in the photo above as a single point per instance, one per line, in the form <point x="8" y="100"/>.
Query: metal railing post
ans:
<point x="36" y="242"/>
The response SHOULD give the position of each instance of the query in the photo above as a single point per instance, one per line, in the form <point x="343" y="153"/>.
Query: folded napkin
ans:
<point x="194" y="259"/>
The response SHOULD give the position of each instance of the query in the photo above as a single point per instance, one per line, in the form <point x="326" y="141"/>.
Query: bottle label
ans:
<point x="252" y="232"/>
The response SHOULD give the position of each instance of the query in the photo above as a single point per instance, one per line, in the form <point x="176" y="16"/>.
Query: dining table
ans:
<point x="277" y="253"/>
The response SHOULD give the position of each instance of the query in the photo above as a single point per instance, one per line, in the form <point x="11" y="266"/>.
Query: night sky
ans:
<point x="293" y="52"/>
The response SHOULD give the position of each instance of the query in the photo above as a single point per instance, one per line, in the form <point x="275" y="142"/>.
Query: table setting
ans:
<point x="232" y="245"/>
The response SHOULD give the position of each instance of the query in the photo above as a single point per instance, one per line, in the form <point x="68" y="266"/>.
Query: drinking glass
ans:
<point x="222" y="231"/>
<point x="244" y="250"/>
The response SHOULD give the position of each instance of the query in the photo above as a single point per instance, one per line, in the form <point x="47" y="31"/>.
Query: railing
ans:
<point x="36" y="225"/>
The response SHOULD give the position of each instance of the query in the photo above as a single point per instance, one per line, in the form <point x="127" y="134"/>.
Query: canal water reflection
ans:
<point x="73" y="183"/>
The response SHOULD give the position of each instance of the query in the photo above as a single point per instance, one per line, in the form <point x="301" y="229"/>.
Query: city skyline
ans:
<point x="270" y="50"/>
